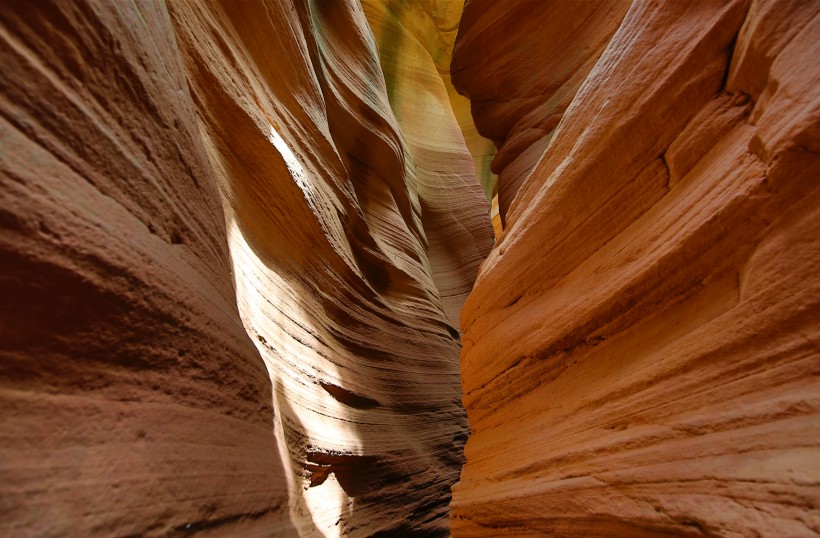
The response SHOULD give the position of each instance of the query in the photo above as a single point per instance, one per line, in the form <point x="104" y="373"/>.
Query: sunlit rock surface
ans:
<point x="355" y="240"/>
<point x="236" y="236"/>
<point x="132" y="402"/>
<point x="159" y="168"/>
<point x="641" y="347"/>
<point x="330" y="228"/>
<point x="521" y="62"/>
<point x="414" y="44"/>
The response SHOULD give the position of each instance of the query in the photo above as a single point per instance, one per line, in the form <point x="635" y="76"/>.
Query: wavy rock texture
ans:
<point x="641" y="347"/>
<point x="414" y="44"/>
<point x="520" y="62"/>
<point x="133" y="401"/>
<point x="355" y="240"/>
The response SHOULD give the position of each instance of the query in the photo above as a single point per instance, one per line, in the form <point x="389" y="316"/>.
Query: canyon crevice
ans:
<point x="250" y="286"/>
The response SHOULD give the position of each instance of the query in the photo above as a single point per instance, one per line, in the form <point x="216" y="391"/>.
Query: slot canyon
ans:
<point x="385" y="268"/>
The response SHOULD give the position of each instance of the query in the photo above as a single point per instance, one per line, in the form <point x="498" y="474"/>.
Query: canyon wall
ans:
<point x="133" y="401"/>
<point x="641" y="347"/>
<point x="520" y="62"/>
<point x="178" y="178"/>
<point x="354" y="238"/>
<point x="236" y="238"/>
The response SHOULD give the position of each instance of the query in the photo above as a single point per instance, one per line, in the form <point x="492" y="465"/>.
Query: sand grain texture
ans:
<point x="133" y="401"/>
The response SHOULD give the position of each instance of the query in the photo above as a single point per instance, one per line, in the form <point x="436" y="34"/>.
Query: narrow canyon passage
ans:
<point x="250" y="284"/>
<point x="353" y="228"/>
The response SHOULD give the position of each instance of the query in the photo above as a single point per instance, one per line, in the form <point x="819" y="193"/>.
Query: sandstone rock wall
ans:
<point x="235" y="238"/>
<point x="414" y="42"/>
<point x="520" y="62"/>
<point x="641" y="346"/>
<point x="133" y="402"/>
<point x="354" y="240"/>
<point x="162" y="165"/>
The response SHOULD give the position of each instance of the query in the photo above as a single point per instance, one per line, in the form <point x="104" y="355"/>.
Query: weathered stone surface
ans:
<point x="520" y="62"/>
<point x="414" y="44"/>
<point x="641" y="347"/>
<point x="133" y="402"/>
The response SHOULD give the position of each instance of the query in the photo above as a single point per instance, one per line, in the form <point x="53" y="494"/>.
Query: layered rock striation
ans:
<point x="236" y="239"/>
<point x="354" y="240"/>
<point x="641" y="346"/>
<point x="178" y="178"/>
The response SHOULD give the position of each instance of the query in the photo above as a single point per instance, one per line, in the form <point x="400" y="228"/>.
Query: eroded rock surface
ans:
<point x="235" y="238"/>
<point x="641" y="347"/>
<point x="354" y="239"/>
<point x="520" y="62"/>
<point x="159" y="168"/>
<point x="133" y="401"/>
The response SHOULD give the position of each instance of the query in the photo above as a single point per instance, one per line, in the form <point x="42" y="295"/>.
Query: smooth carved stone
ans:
<point x="641" y="347"/>
<point x="414" y="44"/>
<point x="520" y="62"/>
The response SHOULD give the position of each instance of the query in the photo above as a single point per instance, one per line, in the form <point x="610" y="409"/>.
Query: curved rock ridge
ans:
<point x="409" y="35"/>
<point x="236" y="237"/>
<point x="641" y="347"/>
<point x="542" y="50"/>
<point x="355" y="239"/>
<point x="133" y="401"/>
<point x="172" y="173"/>
<point x="414" y="42"/>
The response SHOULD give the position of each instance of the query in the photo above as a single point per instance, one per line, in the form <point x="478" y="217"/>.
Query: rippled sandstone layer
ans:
<point x="520" y="62"/>
<point x="236" y="236"/>
<point x="641" y="346"/>
<point x="355" y="241"/>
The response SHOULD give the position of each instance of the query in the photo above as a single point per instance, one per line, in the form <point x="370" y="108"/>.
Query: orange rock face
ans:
<point x="236" y="238"/>
<point x="641" y="347"/>
<point x="133" y="401"/>
<point x="520" y="62"/>
<point x="354" y="243"/>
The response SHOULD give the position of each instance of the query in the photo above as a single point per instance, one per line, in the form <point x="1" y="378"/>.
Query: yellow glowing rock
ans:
<point x="415" y="43"/>
<point x="140" y="208"/>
